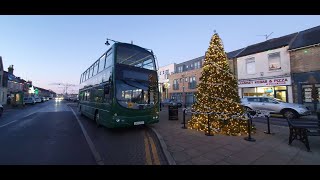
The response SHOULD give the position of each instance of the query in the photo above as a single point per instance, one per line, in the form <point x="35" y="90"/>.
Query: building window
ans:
<point x="197" y="65"/>
<point x="175" y="84"/>
<point x="251" y="66"/>
<point x="190" y="98"/>
<point x="307" y="94"/>
<point x="179" y="69"/>
<point x="274" y="61"/>
<point x="176" y="96"/>
<point x="192" y="82"/>
<point x="166" y="76"/>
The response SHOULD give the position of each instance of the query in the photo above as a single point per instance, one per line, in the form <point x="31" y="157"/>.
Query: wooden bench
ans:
<point x="301" y="129"/>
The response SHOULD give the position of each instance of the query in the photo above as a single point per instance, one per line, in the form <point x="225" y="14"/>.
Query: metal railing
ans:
<point x="247" y="115"/>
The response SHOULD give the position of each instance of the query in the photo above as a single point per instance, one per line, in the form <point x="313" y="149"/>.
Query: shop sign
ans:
<point x="265" y="82"/>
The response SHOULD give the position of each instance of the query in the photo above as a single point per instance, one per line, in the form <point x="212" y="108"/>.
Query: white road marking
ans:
<point x="89" y="141"/>
<point x="8" y="123"/>
<point x="39" y="110"/>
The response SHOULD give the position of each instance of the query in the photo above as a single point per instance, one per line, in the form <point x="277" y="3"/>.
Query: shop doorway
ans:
<point x="311" y="96"/>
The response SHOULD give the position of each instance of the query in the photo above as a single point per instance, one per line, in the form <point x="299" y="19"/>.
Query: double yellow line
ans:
<point x="152" y="157"/>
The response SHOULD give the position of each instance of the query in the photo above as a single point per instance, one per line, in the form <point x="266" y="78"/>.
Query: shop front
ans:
<point x="307" y="89"/>
<point x="279" y="88"/>
<point x="176" y="96"/>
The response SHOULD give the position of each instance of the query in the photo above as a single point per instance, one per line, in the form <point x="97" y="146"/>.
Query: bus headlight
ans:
<point x="117" y="120"/>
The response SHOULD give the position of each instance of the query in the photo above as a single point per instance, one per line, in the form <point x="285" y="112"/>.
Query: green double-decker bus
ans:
<point x="120" y="89"/>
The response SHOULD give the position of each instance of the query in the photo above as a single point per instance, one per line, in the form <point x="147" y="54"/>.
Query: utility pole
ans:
<point x="65" y="86"/>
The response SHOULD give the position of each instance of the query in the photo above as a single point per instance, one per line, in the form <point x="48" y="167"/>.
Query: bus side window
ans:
<point x="107" y="92"/>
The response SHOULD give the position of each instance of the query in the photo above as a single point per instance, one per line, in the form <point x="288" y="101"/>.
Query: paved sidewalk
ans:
<point x="190" y="147"/>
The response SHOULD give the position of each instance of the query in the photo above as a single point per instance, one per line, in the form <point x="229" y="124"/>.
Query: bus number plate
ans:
<point x="138" y="122"/>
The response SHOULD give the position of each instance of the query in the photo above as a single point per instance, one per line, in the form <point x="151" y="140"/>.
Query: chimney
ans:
<point x="10" y="69"/>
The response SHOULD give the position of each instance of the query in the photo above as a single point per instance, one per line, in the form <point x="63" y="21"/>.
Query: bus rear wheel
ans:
<point x="97" y="118"/>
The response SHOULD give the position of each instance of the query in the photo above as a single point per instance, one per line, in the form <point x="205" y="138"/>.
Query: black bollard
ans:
<point x="184" y="119"/>
<point x="268" y="121"/>
<point x="249" y="138"/>
<point x="209" y="130"/>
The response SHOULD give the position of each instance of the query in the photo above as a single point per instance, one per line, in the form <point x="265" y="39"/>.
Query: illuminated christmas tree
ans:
<point x="218" y="92"/>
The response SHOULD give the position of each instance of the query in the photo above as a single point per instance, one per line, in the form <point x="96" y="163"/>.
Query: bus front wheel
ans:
<point x="97" y="118"/>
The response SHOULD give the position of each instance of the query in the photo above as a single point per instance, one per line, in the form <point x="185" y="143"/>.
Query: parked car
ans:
<point x="29" y="100"/>
<point x="43" y="99"/>
<point x="1" y="110"/>
<point x="38" y="100"/>
<point x="275" y="106"/>
<point x="74" y="99"/>
<point x="167" y="102"/>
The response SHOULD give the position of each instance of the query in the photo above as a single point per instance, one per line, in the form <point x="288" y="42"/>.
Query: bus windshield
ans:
<point x="136" y="88"/>
<point x="135" y="94"/>
<point x="135" y="56"/>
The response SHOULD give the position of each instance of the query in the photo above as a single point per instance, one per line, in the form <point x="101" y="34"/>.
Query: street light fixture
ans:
<point x="107" y="42"/>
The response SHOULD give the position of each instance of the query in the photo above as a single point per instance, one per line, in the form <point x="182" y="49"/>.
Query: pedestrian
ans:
<point x="9" y="100"/>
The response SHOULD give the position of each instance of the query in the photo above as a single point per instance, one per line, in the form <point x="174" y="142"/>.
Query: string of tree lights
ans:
<point x="222" y="116"/>
<point x="224" y="71"/>
<point x="218" y="92"/>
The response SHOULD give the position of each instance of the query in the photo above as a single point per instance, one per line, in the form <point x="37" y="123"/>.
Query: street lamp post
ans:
<point x="183" y="95"/>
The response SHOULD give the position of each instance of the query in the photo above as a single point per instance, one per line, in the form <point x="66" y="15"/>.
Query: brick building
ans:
<point x="184" y="81"/>
<point x="17" y="88"/>
<point x="3" y="84"/>
<point x="163" y="74"/>
<point x="305" y="68"/>
<point x="186" y="77"/>
<point x="287" y="68"/>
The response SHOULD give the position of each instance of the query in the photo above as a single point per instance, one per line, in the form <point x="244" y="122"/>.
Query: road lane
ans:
<point x="45" y="138"/>
<point x="16" y="114"/>
<point x="49" y="133"/>
<point x="125" y="146"/>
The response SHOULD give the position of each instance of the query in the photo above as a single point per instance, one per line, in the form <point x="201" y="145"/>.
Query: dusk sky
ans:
<point x="54" y="49"/>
